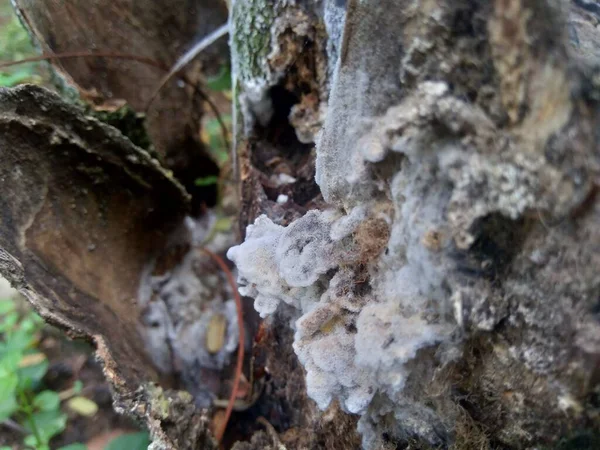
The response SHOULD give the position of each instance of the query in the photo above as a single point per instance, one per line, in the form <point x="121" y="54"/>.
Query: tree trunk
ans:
<point x="418" y="190"/>
<point x="445" y="290"/>
<point x="157" y="30"/>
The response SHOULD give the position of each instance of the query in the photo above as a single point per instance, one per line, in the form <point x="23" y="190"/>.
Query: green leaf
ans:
<point x="37" y="319"/>
<point x="73" y="447"/>
<point x="20" y="340"/>
<point x="222" y="81"/>
<point x="28" y="325"/>
<point x="8" y="384"/>
<point x="9" y="362"/>
<point x="9" y="321"/>
<point x="77" y="386"/>
<point x="31" y="442"/>
<point x="31" y="376"/>
<point x="83" y="406"/>
<point x="8" y="406"/>
<point x="213" y="137"/>
<point x="206" y="181"/>
<point x="133" y="441"/>
<point x="48" y="424"/>
<point x="6" y="306"/>
<point x="9" y="80"/>
<point x="9" y="381"/>
<point x="46" y="401"/>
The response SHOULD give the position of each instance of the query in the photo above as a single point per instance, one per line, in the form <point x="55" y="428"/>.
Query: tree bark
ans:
<point x="157" y="30"/>
<point x="459" y="155"/>
<point x="83" y="211"/>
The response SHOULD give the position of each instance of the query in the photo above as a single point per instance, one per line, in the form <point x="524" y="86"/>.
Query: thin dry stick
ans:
<point x="131" y="57"/>
<point x="241" y="340"/>
<point x="85" y="54"/>
<point x="271" y="431"/>
<point x="8" y="423"/>
<point x="187" y="57"/>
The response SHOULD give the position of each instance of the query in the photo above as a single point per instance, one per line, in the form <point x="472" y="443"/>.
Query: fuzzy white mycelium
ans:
<point x="425" y="189"/>
<point x="180" y="304"/>
<point x="359" y="320"/>
<point x="364" y="313"/>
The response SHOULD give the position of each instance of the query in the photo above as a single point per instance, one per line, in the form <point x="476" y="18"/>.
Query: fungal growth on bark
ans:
<point x="415" y="227"/>
<point x="459" y="141"/>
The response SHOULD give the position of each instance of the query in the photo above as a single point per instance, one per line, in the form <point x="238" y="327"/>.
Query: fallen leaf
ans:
<point x="217" y="421"/>
<point x="215" y="334"/>
<point x="83" y="406"/>
<point x="32" y="360"/>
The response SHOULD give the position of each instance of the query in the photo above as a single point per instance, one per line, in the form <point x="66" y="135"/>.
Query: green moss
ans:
<point x="159" y="402"/>
<point x="127" y="121"/>
<point x="251" y="39"/>
<point x="185" y="396"/>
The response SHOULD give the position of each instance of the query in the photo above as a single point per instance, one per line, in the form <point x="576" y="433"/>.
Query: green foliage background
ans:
<point x="15" y="44"/>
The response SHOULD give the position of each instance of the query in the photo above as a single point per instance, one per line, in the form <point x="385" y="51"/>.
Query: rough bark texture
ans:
<point x="83" y="211"/>
<point x="159" y="30"/>
<point x="453" y="273"/>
